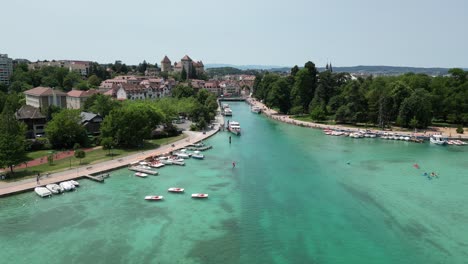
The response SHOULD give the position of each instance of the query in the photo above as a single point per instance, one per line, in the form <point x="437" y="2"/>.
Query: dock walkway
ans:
<point x="80" y="172"/>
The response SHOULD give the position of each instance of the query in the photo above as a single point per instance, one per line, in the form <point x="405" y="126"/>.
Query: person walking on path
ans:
<point x="37" y="178"/>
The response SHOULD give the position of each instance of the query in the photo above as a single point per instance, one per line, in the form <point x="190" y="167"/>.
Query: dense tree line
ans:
<point x="409" y="100"/>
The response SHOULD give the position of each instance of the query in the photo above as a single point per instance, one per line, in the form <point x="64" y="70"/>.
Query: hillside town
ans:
<point x="155" y="83"/>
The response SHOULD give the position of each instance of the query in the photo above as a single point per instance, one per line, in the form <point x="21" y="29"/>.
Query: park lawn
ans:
<point x="37" y="154"/>
<point x="92" y="157"/>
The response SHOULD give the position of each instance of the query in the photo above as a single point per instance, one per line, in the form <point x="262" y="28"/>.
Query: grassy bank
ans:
<point x="92" y="157"/>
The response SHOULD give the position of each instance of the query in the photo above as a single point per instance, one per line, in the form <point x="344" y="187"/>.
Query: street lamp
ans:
<point x="112" y="154"/>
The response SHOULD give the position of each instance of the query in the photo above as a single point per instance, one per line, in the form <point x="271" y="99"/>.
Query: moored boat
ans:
<point x="438" y="140"/>
<point x="42" y="191"/>
<point x="227" y="112"/>
<point x="197" y="155"/>
<point x="75" y="183"/>
<point x="141" y="174"/>
<point x="199" y="195"/>
<point x="67" y="186"/>
<point x="255" y="109"/>
<point x="154" y="197"/>
<point x="54" y="188"/>
<point x="175" y="189"/>
<point x="234" y="127"/>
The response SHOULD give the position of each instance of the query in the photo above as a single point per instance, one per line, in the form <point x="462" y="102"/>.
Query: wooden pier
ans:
<point x="98" y="178"/>
<point x="143" y="170"/>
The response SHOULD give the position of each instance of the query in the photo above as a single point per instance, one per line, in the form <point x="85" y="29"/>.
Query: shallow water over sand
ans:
<point x="292" y="198"/>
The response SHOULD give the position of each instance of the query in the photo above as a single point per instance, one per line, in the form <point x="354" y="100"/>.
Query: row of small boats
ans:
<point x="174" y="190"/>
<point x="53" y="188"/>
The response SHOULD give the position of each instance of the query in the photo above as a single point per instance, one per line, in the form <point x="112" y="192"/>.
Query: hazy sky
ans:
<point x="275" y="32"/>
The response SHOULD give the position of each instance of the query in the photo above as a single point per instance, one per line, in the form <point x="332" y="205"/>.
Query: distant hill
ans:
<point x="244" y="67"/>
<point x="389" y="70"/>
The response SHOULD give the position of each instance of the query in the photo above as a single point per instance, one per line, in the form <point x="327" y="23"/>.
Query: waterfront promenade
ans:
<point x="446" y="132"/>
<point x="80" y="172"/>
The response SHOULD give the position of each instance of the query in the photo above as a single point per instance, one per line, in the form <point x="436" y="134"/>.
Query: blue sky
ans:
<point x="422" y="33"/>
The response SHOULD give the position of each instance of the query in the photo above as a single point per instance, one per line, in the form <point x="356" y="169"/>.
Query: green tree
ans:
<point x="280" y="95"/>
<point x="71" y="80"/>
<point x="65" y="129"/>
<point x="183" y="75"/>
<point x="417" y="106"/>
<point x="304" y="86"/>
<point x="94" y="81"/>
<point x="132" y="123"/>
<point x="12" y="139"/>
<point x="80" y="154"/>
<point x="460" y="129"/>
<point x="181" y="91"/>
<point x="108" y="143"/>
<point x="100" y="104"/>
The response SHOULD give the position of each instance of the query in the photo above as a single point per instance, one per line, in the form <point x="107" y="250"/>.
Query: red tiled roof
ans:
<point x="43" y="91"/>
<point x="166" y="60"/>
<point x="78" y="93"/>
<point x="186" y="58"/>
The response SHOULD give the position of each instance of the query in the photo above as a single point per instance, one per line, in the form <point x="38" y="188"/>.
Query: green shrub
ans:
<point x="460" y="129"/>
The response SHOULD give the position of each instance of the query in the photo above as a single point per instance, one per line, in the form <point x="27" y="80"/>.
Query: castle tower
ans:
<point x="166" y="64"/>
<point x="187" y="64"/>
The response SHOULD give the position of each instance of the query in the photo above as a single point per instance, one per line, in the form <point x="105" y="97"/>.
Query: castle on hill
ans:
<point x="185" y="63"/>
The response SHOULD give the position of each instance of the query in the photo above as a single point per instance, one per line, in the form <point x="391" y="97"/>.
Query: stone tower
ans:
<point x="166" y="64"/>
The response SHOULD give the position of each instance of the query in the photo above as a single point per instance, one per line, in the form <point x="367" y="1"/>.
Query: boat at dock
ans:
<point x="146" y="171"/>
<point x="75" y="183"/>
<point x="54" y="188"/>
<point x="67" y="186"/>
<point x="141" y="174"/>
<point x="197" y="155"/>
<point x="154" y="197"/>
<point x="438" y="140"/>
<point x="156" y="164"/>
<point x="256" y="109"/>
<point x="42" y="191"/>
<point x="175" y="189"/>
<point x="199" y="195"/>
<point x="227" y="112"/>
<point x="234" y="127"/>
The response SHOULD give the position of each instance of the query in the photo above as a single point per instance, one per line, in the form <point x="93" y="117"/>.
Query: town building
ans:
<point x="91" y="122"/>
<point x="77" y="98"/>
<point x="189" y="65"/>
<point x="137" y="87"/>
<point x="33" y="118"/>
<point x="6" y="69"/>
<point x="81" y="67"/>
<point x="43" y="97"/>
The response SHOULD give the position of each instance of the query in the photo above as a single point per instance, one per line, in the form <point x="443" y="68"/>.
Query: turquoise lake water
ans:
<point x="292" y="198"/>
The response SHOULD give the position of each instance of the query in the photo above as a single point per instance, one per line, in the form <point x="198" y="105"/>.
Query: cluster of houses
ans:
<point x="128" y="87"/>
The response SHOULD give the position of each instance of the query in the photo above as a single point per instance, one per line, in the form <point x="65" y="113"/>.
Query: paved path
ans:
<point x="29" y="184"/>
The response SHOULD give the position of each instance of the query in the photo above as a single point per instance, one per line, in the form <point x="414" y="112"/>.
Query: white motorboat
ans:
<point x="54" y="188"/>
<point x="67" y="186"/>
<point x="182" y="155"/>
<point x="199" y="145"/>
<point x="141" y="174"/>
<point x="227" y="112"/>
<point x="438" y="140"/>
<point x="77" y="184"/>
<point x="154" y="197"/>
<point x="255" y="109"/>
<point x="199" y="195"/>
<point x="42" y="191"/>
<point x="156" y="164"/>
<point x="234" y="127"/>
<point x="225" y="106"/>
<point x="179" y="162"/>
<point x="197" y="155"/>
<point x="175" y="189"/>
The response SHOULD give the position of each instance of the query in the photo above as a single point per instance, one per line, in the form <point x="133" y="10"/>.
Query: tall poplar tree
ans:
<point x="12" y="139"/>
